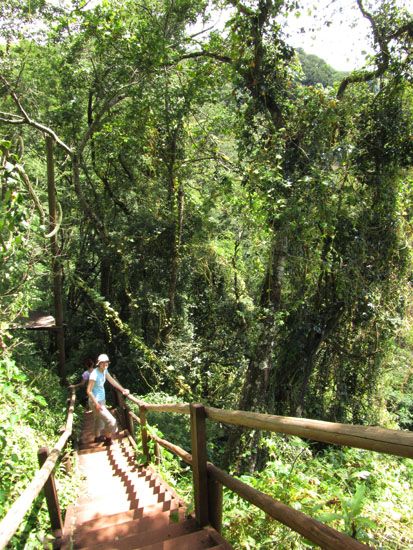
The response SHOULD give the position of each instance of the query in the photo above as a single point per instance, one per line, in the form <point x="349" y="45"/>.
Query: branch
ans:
<point x="359" y="77"/>
<point x="105" y="180"/>
<point x="406" y="28"/>
<point x="383" y="42"/>
<point x="59" y="223"/>
<point x="109" y="103"/>
<point x="26" y="119"/>
<point x="127" y="169"/>
<point x="243" y="9"/>
<point x="202" y="32"/>
<point x="98" y="121"/>
<point x="87" y="209"/>
<point x="4" y="117"/>
<point x="265" y="6"/>
<point x="376" y="32"/>
<point x="203" y="53"/>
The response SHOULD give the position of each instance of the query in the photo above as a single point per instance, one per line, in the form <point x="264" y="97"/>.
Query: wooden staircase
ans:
<point x="122" y="505"/>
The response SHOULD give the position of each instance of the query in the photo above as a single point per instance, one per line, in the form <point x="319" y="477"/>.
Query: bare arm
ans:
<point x="116" y="384"/>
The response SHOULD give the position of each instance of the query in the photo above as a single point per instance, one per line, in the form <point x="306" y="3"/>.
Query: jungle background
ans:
<point x="234" y="227"/>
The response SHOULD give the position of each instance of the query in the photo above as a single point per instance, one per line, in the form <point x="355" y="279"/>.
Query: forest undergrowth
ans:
<point x="33" y="408"/>
<point x="361" y="493"/>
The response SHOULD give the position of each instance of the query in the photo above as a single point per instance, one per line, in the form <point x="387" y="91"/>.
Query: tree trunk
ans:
<point x="254" y="392"/>
<point x="289" y="383"/>
<point x="176" y="198"/>
<point x="105" y="276"/>
<point x="57" y="268"/>
<point x="176" y="247"/>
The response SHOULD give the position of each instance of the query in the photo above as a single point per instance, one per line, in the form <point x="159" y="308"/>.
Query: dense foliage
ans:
<point x="33" y="409"/>
<point x="233" y="217"/>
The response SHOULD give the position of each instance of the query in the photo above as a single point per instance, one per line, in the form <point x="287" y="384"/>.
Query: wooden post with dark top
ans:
<point x="51" y="497"/>
<point x="199" y="463"/>
<point x="215" y="503"/>
<point x="144" y="433"/>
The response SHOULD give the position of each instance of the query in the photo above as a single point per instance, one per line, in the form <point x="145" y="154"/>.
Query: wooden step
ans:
<point x="110" y="533"/>
<point x="138" y="486"/>
<point x="111" y="501"/>
<point x="193" y="541"/>
<point x="88" y="446"/>
<point x="128" y="484"/>
<point x="137" y="534"/>
<point x="126" y="506"/>
<point x="87" y="513"/>
<point x="149" y="512"/>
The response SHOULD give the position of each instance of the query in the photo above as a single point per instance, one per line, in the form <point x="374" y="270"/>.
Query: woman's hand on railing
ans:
<point x="125" y="391"/>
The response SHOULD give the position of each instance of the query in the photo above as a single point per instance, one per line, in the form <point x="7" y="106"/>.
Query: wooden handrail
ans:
<point x="179" y="408"/>
<point x="136" y="418"/>
<point x="395" y="442"/>
<point x="383" y="440"/>
<point x="308" y="527"/>
<point x="135" y="399"/>
<point x="181" y="453"/>
<point x="11" y="521"/>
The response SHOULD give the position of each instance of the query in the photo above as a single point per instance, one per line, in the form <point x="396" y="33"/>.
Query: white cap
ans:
<point x="102" y="358"/>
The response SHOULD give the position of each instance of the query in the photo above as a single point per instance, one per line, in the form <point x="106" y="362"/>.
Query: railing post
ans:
<point x="51" y="496"/>
<point x="123" y="409"/>
<point x="157" y="453"/>
<point x="199" y="463"/>
<point x="144" y="432"/>
<point x="215" y="503"/>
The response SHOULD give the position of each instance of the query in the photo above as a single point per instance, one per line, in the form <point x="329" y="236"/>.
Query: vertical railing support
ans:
<point x="117" y="397"/>
<point x="123" y="409"/>
<point x="215" y="503"/>
<point x="130" y="424"/>
<point x="199" y="463"/>
<point x="157" y="449"/>
<point x="51" y="496"/>
<point x="144" y="432"/>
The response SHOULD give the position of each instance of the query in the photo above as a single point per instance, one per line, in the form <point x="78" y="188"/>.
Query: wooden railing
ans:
<point x="208" y="479"/>
<point x="44" y="479"/>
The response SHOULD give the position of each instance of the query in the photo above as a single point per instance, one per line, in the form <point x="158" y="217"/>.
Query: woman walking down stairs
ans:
<point x="122" y="505"/>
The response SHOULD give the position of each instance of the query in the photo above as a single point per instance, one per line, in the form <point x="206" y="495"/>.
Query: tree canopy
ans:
<point x="229" y="218"/>
<point x="227" y="228"/>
